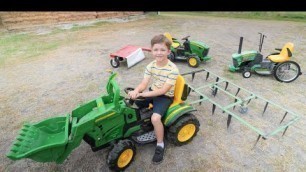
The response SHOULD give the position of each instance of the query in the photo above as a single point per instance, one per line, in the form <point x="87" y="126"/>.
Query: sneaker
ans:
<point x="159" y="155"/>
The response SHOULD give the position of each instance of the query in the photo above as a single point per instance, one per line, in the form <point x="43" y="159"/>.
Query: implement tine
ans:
<point x="265" y="108"/>
<point x="213" y="109"/>
<point x="284" y="117"/>
<point x="215" y="91"/>
<point x="193" y="74"/>
<point x="249" y="101"/>
<point x="226" y="85"/>
<point x="229" y="118"/>
<point x="201" y="97"/>
<point x="237" y="91"/>
<point x="285" y="131"/>
<point x="207" y="76"/>
<point x="235" y="102"/>
<point x="259" y="136"/>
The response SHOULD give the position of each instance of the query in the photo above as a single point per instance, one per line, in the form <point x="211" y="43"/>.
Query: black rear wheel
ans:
<point x="287" y="71"/>
<point x="184" y="130"/>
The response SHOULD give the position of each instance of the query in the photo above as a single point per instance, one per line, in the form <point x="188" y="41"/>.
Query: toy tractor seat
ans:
<point x="173" y="44"/>
<point x="284" y="55"/>
<point x="180" y="91"/>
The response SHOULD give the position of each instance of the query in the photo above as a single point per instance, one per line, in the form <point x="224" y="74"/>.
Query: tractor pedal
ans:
<point x="145" y="138"/>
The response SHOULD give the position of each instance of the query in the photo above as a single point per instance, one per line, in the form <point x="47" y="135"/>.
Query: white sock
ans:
<point x="161" y="144"/>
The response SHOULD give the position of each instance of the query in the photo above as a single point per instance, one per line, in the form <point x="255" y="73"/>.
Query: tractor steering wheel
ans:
<point x="128" y="89"/>
<point x="186" y="37"/>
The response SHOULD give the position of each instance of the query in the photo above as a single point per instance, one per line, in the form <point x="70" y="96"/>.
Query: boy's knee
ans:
<point x="155" y="118"/>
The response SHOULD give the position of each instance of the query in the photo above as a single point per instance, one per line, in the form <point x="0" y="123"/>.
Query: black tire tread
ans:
<point x="116" y="151"/>
<point x="174" y="129"/>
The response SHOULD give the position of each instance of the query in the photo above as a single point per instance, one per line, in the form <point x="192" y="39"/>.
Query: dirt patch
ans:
<point x="56" y="82"/>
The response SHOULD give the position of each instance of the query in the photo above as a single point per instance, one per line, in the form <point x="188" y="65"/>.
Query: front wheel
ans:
<point x="287" y="71"/>
<point x="115" y="62"/>
<point x="184" y="130"/>
<point x="246" y="74"/>
<point x="122" y="155"/>
<point x="194" y="61"/>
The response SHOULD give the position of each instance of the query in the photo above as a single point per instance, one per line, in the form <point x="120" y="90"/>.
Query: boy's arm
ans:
<point x="143" y="85"/>
<point x="157" y="92"/>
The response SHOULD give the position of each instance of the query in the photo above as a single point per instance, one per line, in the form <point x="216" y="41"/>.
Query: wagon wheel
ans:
<point x="115" y="62"/>
<point x="121" y="156"/>
<point x="184" y="130"/>
<point x="194" y="61"/>
<point x="287" y="71"/>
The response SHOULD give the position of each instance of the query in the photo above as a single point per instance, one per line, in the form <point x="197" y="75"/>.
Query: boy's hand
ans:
<point x="133" y="94"/>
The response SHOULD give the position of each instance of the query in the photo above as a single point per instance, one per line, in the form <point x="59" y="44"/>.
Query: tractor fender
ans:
<point x="176" y="112"/>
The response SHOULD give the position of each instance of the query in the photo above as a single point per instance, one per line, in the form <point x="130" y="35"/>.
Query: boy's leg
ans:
<point x="144" y="103"/>
<point x="158" y="127"/>
<point x="160" y="107"/>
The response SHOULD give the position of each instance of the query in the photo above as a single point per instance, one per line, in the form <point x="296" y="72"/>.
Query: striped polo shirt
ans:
<point x="162" y="75"/>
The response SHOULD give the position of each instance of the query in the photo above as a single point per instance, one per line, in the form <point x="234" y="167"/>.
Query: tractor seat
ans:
<point x="180" y="92"/>
<point x="284" y="55"/>
<point x="173" y="44"/>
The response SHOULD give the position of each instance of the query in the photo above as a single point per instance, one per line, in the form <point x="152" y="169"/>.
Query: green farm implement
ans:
<point x="253" y="111"/>
<point x="113" y="121"/>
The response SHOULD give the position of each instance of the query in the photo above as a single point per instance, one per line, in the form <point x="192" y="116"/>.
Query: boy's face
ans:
<point x="160" y="51"/>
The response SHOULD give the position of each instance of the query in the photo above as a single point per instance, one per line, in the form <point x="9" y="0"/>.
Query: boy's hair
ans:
<point x="161" y="39"/>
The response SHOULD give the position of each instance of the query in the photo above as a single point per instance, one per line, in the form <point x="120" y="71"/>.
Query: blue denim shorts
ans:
<point x="160" y="104"/>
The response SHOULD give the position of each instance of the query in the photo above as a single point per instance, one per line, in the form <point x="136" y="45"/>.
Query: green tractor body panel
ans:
<point x="200" y="49"/>
<point x="175" y="112"/>
<point x="44" y="141"/>
<point x="102" y="120"/>
<point x="244" y="57"/>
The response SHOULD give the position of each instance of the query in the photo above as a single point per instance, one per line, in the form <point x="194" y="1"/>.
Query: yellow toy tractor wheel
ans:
<point x="121" y="156"/>
<point x="194" y="61"/>
<point x="184" y="130"/>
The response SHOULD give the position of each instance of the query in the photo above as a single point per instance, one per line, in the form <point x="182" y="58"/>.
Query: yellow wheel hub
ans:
<point x="125" y="158"/>
<point x="192" y="61"/>
<point x="186" y="132"/>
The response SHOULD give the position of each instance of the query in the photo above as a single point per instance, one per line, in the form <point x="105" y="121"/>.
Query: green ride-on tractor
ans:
<point x="193" y="52"/>
<point x="108" y="121"/>
<point x="277" y="64"/>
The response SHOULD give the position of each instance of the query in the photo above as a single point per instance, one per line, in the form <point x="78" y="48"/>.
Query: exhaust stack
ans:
<point x="240" y="45"/>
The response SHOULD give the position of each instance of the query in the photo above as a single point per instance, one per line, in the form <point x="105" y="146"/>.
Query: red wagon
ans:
<point x="130" y="53"/>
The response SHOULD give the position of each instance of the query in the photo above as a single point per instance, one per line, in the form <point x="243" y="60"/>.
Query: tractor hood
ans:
<point x="245" y="54"/>
<point x="199" y="44"/>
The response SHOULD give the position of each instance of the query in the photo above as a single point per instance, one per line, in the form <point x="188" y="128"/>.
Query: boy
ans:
<point x="163" y="73"/>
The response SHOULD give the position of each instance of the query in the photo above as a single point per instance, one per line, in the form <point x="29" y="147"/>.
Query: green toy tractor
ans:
<point x="108" y="121"/>
<point x="277" y="64"/>
<point x="193" y="52"/>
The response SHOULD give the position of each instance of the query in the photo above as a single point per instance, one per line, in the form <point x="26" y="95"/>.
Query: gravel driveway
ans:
<point x="56" y="82"/>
